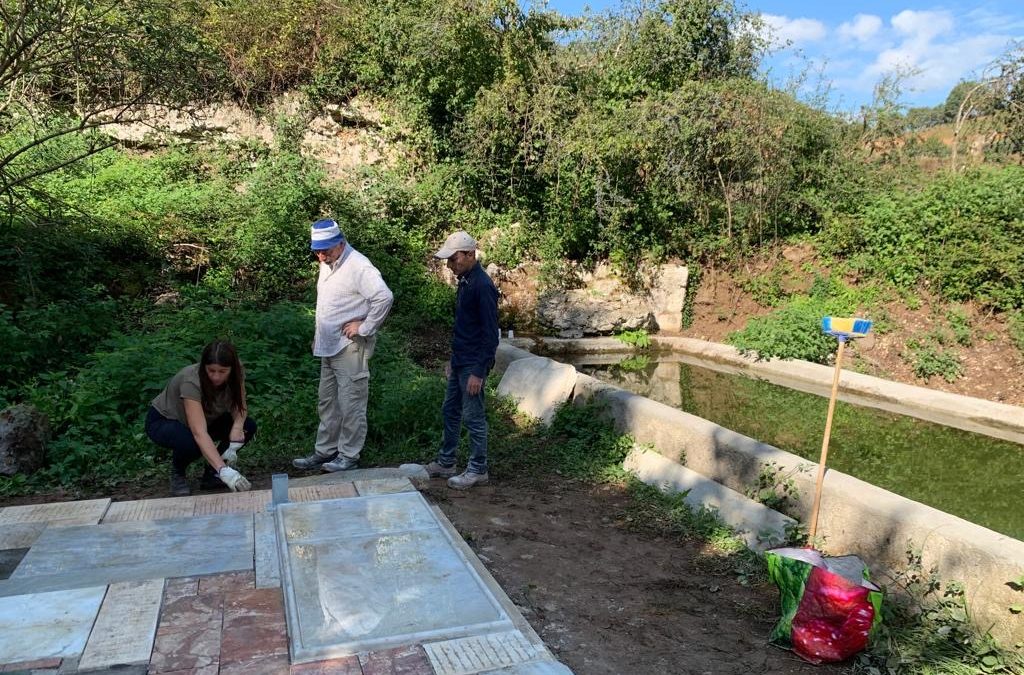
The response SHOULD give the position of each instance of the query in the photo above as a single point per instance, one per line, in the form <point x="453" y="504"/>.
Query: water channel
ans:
<point x="970" y="475"/>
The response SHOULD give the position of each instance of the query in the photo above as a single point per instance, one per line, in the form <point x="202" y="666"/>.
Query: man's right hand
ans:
<point x="447" y="370"/>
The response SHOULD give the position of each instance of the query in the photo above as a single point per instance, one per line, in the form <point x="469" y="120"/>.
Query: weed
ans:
<point x="775" y="487"/>
<point x="960" y="324"/>
<point x="928" y="359"/>
<point x="640" y="338"/>
<point x="927" y="629"/>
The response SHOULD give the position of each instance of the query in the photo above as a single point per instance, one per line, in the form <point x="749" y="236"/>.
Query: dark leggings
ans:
<point x="178" y="437"/>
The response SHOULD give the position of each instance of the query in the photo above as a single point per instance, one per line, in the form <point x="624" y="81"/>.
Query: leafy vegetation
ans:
<point x="794" y="330"/>
<point x="629" y="137"/>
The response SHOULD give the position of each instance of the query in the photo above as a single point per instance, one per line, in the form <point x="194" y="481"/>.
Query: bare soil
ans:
<point x="609" y="597"/>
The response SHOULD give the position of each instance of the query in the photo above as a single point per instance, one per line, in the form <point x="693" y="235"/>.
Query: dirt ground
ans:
<point x="608" y="598"/>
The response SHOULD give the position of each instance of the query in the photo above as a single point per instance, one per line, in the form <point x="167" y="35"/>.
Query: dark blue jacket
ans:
<point x="475" y="337"/>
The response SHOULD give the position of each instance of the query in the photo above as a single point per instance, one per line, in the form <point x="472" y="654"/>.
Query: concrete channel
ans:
<point x="718" y="465"/>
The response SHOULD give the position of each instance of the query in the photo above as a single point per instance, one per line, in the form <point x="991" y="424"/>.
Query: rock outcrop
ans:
<point x="24" y="433"/>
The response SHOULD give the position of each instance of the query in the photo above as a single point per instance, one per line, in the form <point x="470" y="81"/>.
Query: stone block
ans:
<point x="759" y="526"/>
<point x="539" y="385"/>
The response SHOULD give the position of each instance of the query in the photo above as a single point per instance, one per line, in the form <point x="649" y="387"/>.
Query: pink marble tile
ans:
<point x="346" y="666"/>
<point x="408" y="660"/>
<point x="228" y="582"/>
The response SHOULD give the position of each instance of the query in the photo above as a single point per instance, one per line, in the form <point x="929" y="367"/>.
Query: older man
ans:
<point x="474" y="343"/>
<point x="352" y="301"/>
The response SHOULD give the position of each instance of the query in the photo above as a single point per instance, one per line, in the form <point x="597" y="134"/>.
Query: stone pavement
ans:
<point x="203" y="585"/>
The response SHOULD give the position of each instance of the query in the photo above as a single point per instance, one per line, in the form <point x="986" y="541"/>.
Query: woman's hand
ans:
<point x="237" y="434"/>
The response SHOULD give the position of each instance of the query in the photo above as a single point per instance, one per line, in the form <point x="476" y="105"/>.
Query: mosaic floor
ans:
<point x="373" y="580"/>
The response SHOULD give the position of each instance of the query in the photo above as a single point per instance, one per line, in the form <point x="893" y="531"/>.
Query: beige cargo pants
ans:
<point x="344" y="389"/>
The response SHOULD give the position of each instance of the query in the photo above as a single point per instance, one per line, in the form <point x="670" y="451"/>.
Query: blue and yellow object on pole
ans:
<point x="842" y="329"/>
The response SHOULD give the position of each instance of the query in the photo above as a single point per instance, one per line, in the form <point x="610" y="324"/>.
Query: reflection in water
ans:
<point x="969" y="475"/>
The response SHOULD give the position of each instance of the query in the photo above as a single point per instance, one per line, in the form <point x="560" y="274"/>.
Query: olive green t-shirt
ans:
<point x="185" y="384"/>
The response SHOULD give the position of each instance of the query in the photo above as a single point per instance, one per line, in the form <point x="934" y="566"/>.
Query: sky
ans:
<point x="845" y="48"/>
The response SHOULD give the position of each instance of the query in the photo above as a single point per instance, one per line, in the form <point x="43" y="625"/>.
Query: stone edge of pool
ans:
<point x="856" y="517"/>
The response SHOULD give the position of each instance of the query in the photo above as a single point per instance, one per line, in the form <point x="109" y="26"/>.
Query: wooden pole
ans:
<point x="824" y="442"/>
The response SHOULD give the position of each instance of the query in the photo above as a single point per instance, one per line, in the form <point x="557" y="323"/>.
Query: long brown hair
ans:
<point x="222" y="353"/>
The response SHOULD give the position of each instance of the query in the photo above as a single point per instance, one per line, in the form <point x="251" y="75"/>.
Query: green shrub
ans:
<point x="928" y="359"/>
<point x="794" y="330"/>
<point x="963" y="233"/>
<point x="640" y="338"/>
<point x="960" y="324"/>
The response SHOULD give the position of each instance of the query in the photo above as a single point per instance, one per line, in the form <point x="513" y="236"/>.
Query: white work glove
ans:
<point x="233" y="479"/>
<point x="230" y="455"/>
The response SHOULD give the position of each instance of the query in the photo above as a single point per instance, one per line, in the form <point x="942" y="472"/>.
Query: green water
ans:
<point x="976" y="477"/>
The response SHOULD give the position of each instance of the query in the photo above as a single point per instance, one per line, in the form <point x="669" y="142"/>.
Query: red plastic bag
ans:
<point x="829" y="608"/>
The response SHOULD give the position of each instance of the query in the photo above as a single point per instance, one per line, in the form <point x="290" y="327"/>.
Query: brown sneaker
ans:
<point x="435" y="470"/>
<point x="468" y="479"/>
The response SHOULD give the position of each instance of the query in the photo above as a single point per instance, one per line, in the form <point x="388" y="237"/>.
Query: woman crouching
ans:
<point x="202" y="413"/>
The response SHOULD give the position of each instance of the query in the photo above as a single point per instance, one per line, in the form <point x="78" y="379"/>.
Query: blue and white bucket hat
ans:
<point x="325" y="234"/>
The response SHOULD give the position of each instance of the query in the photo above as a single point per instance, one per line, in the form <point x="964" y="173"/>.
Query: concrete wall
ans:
<point x="855" y="517"/>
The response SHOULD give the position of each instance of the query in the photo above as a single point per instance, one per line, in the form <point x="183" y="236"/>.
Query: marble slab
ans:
<point x="312" y="493"/>
<point x="266" y="556"/>
<point x="9" y="560"/>
<point x="232" y="502"/>
<point x="20" y="535"/>
<point x="384" y="486"/>
<point x="481" y="653"/>
<point x="131" y="551"/>
<point x="126" y="625"/>
<point x="46" y="625"/>
<point x="366" y="573"/>
<point x="64" y="513"/>
<point x="151" y="509"/>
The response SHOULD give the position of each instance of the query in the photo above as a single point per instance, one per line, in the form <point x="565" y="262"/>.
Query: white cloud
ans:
<point x="933" y="49"/>
<point x="922" y="26"/>
<point x="794" y="31"/>
<point x="862" y="28"/>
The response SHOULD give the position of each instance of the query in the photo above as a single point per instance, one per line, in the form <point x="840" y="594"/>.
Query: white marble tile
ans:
<point x="64" y="513"/>
<point x="126" y="625"/>
<point x="151" y="509"/>
<point x="481" y="653"/>
<point x="47" y="625"/>
<point x="370" y="572"/>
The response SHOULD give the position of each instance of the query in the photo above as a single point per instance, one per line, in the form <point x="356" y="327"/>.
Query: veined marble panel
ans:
<point x="371" y="572"/>
<point x="126" y="625"/>
<point x="136" y="550"/>
<point x="46" y="625"/>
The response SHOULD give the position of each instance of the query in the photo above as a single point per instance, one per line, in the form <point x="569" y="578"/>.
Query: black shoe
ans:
<point x="179" y="486"/>
<point x="314" y="461"/>
<point x="210" y="481"/>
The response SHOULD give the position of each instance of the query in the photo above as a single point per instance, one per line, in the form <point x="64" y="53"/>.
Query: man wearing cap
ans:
<point x="352" y="301"/>
<point x="474" y="343"/>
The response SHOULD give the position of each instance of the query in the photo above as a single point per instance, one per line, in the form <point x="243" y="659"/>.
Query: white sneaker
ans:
<point x="468" y="479"/>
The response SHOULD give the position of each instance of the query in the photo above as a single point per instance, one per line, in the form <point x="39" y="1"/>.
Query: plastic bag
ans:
<point x="829" y="608"/>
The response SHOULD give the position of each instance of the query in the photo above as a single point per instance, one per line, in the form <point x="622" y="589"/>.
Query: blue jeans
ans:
<point x="460" y="408"/>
